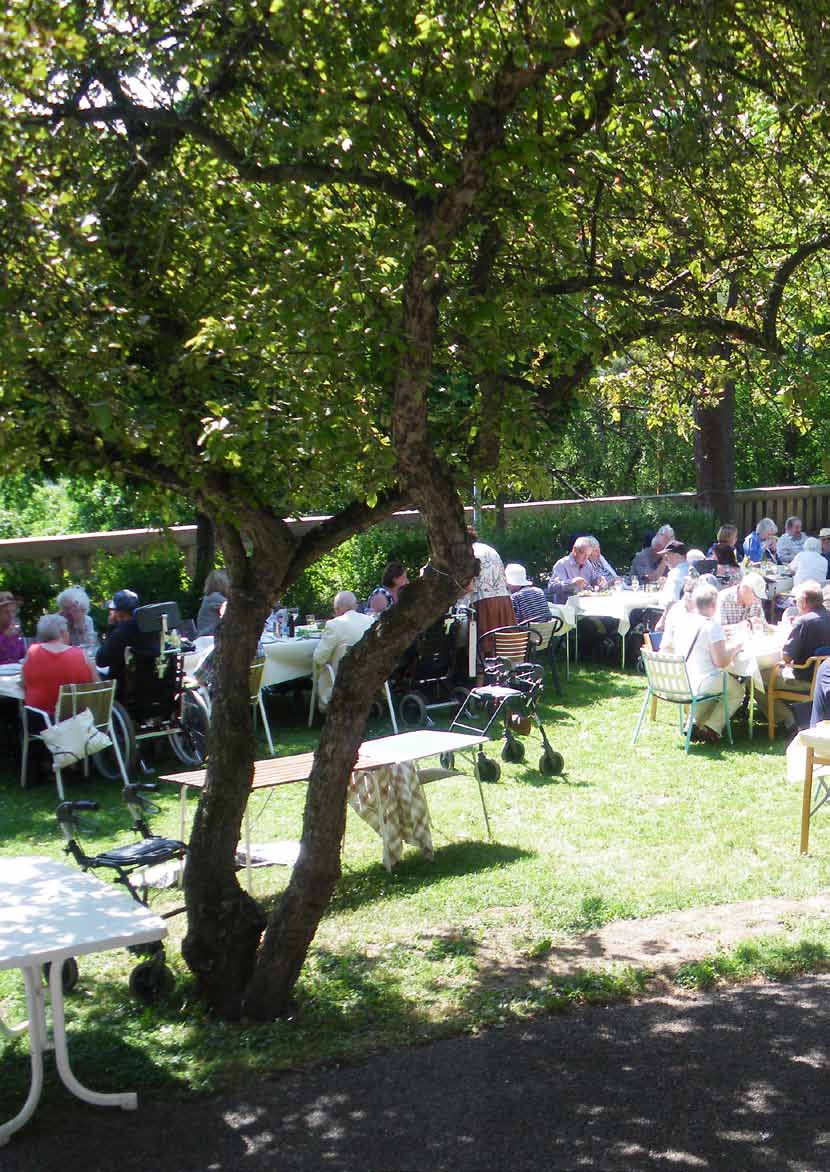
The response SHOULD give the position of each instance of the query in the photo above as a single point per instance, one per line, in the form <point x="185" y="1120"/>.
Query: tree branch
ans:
<point x="352" y="519"/>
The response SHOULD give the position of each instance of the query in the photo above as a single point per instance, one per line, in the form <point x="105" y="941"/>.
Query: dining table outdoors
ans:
<point x="757" y="652"/>
<point x="616" y="604"/>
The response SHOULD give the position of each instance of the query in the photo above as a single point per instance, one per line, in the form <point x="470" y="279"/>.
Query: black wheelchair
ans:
<point x="156" y="700"/>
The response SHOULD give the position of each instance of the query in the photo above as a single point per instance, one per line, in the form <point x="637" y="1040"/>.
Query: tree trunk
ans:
<point x="205" y="558"/>
<point x="715" y="454"/>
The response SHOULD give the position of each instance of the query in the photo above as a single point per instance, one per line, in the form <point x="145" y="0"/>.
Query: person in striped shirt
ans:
<point x="529" y="602"/>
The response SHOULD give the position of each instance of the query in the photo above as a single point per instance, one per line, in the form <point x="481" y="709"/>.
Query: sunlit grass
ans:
<point x="431" y="949"/>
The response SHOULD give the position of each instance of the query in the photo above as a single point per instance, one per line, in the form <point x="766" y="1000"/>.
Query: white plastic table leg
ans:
<point x="37" y="1037"/>
<point x="127" y="1100"/>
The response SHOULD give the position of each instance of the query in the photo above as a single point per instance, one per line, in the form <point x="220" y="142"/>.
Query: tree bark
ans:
<point x="715" y="454"/>
<point x="205" y="558"/>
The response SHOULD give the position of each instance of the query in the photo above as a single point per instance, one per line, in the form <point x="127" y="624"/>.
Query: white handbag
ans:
<point x="75" y="738"/>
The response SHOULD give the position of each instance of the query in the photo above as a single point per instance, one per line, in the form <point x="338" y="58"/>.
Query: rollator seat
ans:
<point x="143" y="853"/>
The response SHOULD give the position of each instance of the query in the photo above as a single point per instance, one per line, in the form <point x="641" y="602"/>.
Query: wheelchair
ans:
<point x="511" y="691"/>
<point x="156" y="701"/>
<point x="132" y="867"/>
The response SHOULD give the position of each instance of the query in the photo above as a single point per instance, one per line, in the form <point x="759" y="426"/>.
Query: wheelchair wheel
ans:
<point x="69" y="973"/>
<point x="106" y="761"/>
<point x="551" y="763"/>
<point x="412" y="710"/>
<point x="488" y="770"/>
<point x="150" y="979"/>
<point x="189" y="740"/>
<point x="513" y="751"/>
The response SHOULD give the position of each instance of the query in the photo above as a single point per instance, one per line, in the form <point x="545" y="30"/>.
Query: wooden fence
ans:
<point x="73" y="552"/>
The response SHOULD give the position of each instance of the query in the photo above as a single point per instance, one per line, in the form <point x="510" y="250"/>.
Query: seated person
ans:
<point x="216" y="590"/>
<point x="727" y="535"/>
<point x="674" y="556"/>
<point x="810" y="631"/>
<point x="393" y="581"/>
<point x="809" y="565"/>
<point x="791" y="542"/>
<point x="821" y="696"/>
<point x="12" y="643"/>
<point x="743" y="601"/>
<point x="52" y="661"/>
<point x="728" y="570"/>
<point x="575" y="572"/>
<point x="824" y="538"/>
<point x="598" y="562"/>
<point x="123" y="633"/>
<point x="340" y="634"/>
<point x="680" y="616"/>
<point x="648" y="565"/>
<point x="73" y="604"/>
<point x="529" y="602"/>
<point x="762" y="543"/>
<point x="703" y="643"/>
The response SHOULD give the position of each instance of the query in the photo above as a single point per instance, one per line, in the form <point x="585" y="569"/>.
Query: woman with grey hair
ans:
<point x="762" y="542"/>
<point x="703" y="644"/>
<point x="73" y="604"/>
<point x="52" y="661"/>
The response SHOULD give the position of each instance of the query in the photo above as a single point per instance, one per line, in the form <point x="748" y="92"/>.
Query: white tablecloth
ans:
<point x="617" y="605"/>
<point x="11" y="685"/>
<point x="287" y="659"/>
<point x="758" y="651"/>
<point x="565" y="612"/>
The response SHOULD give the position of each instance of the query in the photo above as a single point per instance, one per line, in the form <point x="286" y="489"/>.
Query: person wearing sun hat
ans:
<point x="529" y="602"/>
<point x="12" y="643"/>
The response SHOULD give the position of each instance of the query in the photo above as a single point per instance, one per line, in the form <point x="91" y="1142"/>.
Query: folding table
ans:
<point x="49" y="912"/>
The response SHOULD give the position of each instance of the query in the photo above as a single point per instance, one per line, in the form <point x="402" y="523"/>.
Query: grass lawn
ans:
<point x="432" y="948"/>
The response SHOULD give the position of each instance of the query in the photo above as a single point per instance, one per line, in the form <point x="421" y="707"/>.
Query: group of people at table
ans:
<point x="705" y="616"/>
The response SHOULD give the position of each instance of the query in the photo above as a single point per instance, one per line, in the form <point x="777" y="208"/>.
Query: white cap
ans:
<point x="516" y="575"/>
<point x="759" y="586"/>
<point x="824" y="532"/>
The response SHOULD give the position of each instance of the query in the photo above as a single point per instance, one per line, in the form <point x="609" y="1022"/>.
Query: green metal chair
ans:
<point x="668" y="680"/>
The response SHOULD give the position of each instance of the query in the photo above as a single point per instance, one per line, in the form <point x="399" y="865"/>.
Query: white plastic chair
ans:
<point x="73" y="699"/>
<point x="668" y="680"/>
<point x="312" y="707"/>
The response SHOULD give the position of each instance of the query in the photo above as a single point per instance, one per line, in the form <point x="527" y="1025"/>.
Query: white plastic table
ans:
<point x="616" y="605"/>
<point x="49" y="912"/>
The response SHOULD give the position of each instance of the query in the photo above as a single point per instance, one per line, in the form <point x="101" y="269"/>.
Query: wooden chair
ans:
<point x="73" y="699"/>
<point x="780" y="688"/>
<point x="668" y="680"/>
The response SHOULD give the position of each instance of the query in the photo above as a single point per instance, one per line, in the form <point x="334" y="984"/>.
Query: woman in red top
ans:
<point x="50" y="662"/>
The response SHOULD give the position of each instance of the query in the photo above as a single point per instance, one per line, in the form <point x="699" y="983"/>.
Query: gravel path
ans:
<point x="726" y="1081"/>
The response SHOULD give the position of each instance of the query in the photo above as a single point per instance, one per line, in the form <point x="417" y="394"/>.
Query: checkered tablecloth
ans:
<point x="391" y="800"/>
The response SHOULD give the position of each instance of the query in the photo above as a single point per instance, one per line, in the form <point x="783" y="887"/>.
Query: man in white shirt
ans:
<point x="809" y="565"/>
<point x="340" y="634"/>
<point x="791" y="542"/>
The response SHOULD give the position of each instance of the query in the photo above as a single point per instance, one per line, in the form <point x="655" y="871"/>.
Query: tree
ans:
<point x="228" y="230"/>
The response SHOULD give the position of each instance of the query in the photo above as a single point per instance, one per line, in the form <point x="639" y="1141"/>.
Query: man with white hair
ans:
<point x="340" y="634"/>
<point x="648" y="565"/>
<point x="73" y="604"/>
<point x="791" y="542"/>
<point x="599" y="562"/>
<point x="809" y="565"/>
<point x="762" y="542"/>
<point x="574" y="571"/>
<point x="742" y="602"/>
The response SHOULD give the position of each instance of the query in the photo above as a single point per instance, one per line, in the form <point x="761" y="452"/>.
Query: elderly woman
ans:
<point x="809" y="565"/>
<point x="393" y="581"/>
<point x="762" y="542"/>
<point x="73" y="604"/>
<point x="52" y="661"/>
<point x="703" y="644"/>
<point x="217" y="589"/>
<point x="12" y="643"/>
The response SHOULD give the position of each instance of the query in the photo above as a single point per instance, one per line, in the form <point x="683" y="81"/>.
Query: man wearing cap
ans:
<point x="529" y="602"/>
<point x="743" y="601"/>
<point x="124" y="632"/>
<point x="674" y="557"/>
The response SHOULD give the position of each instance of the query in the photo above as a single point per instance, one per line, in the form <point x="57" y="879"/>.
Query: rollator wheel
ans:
<point x="69" y="973"/>
<point x="551" y="763"/>
<point x="488" y="770"/>
<point x="513" y="751"/>
<point x="150" y="979"/>
<point x="447" y="760"/>
<point x="412" y="710"/>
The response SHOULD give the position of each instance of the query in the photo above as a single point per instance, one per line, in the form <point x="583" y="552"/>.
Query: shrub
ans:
<point x="36" y="584"/>
<point x="156" y="573"/>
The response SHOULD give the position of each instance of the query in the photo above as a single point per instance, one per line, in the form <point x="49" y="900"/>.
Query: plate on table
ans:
<point x="10" y="669"/>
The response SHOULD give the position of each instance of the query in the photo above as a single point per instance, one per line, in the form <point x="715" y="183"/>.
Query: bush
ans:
<point x="156" y="573"/>
<point x="36" y="584"/>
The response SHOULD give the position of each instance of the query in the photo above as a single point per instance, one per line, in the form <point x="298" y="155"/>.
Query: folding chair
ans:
<point x="778" y="689"/>
<point x="257" y="700"/>
<point x="549" y="640"/>
<point x="668" y="680"/>
<point x="98" y="698"/>
<point x="312" y="707"/>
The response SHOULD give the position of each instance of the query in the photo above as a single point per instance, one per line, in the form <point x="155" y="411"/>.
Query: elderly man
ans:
<point x="743" y="601"/>
<point x="529" y="602"/>
<point x="575" y="572"/>
<point x="599" y="563"/>
<point x="824" y="538"/>
<point x="648" y="565"/>
<point x="341" y="633"/>
<point x="124" y="633"/>
<point x="762" y="542"/>
<point x="810" y="631"/>
<point x="791" y="542"/>
<point x="674" y="555"/>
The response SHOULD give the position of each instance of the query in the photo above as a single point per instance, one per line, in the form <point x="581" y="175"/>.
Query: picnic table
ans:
<point x="381" y="788"/>
<point x="49" y="912"/>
